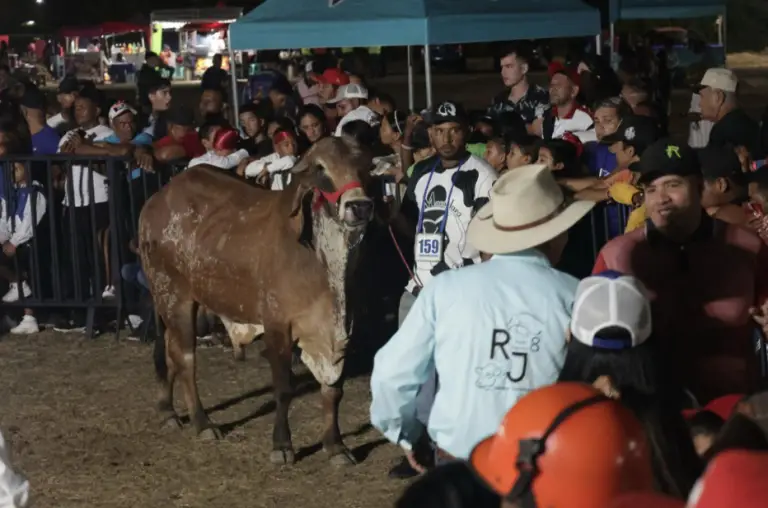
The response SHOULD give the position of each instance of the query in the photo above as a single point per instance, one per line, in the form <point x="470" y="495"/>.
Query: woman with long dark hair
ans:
<point x="612" y="347"/>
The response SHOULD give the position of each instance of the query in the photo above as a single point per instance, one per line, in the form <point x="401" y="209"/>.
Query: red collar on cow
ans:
<point x="333" y="197"/>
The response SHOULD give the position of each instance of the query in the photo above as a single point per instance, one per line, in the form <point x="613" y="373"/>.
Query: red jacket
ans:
<point x="701" y="294"/>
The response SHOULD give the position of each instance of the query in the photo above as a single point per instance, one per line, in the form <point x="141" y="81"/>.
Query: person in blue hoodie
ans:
<point x="23" y="207"/>
<point x="600" y="162"/>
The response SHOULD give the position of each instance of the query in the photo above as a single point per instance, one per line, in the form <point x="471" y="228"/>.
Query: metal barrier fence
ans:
<point x="72" y="257"/>
<point x="75" y="253"/>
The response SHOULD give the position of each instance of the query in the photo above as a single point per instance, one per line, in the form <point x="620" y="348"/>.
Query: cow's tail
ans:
<point x="161" y="365"/>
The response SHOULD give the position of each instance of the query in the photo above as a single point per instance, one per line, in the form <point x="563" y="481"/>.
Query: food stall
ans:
<point x="187" y="39"/>
<point x="90" y="61"/>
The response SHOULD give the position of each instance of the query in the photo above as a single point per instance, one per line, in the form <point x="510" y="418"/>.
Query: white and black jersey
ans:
<point x="428" y="194"/>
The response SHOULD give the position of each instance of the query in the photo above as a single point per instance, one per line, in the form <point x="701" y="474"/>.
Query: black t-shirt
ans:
<point x="257" y="148"/>
<point x="214" y="78"/>
<point x="737" y="128"/>
<point x="531" y="106"/>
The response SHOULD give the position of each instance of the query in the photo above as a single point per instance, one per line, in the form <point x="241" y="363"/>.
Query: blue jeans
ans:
<point x="426" y="396"/>
<point x="133" y="273"/>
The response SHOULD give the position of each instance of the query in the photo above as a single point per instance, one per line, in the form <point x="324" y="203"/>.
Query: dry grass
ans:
<point x="79" y="415"/>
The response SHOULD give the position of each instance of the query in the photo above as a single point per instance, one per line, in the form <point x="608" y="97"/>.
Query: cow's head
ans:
<point x="332" y="168"/>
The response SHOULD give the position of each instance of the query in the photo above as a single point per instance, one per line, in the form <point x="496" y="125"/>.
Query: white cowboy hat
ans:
<point x="527" y="208"/>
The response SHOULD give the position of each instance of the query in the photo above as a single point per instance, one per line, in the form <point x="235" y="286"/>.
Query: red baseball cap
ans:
<point x="722" y="406"/>
<point x="333" y="76"/>
<point x="559" y="68"/>
<point x="733" y="478"/>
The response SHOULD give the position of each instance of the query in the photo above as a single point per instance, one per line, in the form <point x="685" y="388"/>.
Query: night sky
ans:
<point x="54" y="14"/>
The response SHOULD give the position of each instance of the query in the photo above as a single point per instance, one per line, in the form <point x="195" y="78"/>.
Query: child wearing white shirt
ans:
<point x="274" y="169"/>
<point x="221" y="145"/>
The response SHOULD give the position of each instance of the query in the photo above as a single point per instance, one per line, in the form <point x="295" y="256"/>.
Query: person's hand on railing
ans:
<point x="240" y="170"/>
<point x="145" y="160"/>
<point x="263" y="178"/>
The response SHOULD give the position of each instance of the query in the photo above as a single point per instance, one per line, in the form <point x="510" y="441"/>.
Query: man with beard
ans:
<point x="442" y="196"/>
<point x="566" y="114"/>
<point x="704" y="276"/>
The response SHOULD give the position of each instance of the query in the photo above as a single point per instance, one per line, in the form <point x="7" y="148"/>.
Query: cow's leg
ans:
<point x="166" y="375"/>
<point x="277" y="350"/>
<point x="332" y="442"/>
<point x="184" y="358"/>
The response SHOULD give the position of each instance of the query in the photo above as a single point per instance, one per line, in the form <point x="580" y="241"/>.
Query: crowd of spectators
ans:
<point x="530" y="336"/>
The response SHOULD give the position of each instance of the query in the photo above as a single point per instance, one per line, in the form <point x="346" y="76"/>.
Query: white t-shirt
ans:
<point x="579" y="123"/>
<point x="56" y="120"/>
<point x="698" y="132"/>
<point x="80" y="174"/>
<point x="220" y="161"/>
<point x="470" y="191"/>
<point x="363" y="113"/>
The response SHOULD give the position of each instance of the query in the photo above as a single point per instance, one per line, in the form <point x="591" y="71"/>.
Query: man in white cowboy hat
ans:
<point x="493" y="331"/>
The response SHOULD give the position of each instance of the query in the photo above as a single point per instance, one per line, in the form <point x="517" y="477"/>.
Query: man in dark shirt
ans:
<point x="732" y="124"/>
<point x="529" y="101"/>
<point x="215" y="77"/>
<point x="254" y="118"/>
<point x="153" y="71"/>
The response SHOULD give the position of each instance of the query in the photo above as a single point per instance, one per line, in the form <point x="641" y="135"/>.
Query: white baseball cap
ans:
<point x="611" y="300"/>
<point x="118" y="109"/>
<point x="719" y="79"/>
<point x="350" y="91"/>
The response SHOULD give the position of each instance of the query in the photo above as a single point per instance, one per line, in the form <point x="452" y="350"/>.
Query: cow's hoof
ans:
<point x="282" y="457"/>
<point x="210" y="434"/>
<point x="239" y="354"/>
<point x="343" y="459"/>
<point x="171" y="423"/>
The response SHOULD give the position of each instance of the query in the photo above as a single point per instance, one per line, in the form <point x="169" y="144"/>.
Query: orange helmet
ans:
<point x="565" y="446"/>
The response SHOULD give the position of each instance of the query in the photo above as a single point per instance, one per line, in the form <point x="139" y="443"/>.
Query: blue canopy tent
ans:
<point x="279" y="24"/>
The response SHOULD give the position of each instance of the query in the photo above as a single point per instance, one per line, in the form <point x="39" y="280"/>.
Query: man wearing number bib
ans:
<point x="443" y="194"/>
<point x="493" y="332"/>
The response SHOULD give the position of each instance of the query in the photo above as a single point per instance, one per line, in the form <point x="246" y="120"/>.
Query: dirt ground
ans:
<point x="79" y="416"/>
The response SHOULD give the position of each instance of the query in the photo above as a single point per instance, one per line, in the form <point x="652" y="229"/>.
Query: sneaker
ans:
<point x="13" y="292"/>
<point x="134" y="321"/>
<point x="68" y="327"/>
<point x="27" y="326"/>
<point x="109" y="292"/>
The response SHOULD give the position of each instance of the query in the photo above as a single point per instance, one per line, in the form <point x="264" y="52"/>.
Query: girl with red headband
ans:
<point x="273" y="170"/>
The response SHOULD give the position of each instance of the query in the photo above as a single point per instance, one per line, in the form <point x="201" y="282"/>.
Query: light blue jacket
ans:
<point x="494" y="332"/>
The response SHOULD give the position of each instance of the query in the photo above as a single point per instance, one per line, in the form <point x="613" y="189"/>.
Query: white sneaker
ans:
<point x="109" y="292"/>
<point x="13" y="292"/>
<point x="27" y="326"/>
<point x="135" y="321"/>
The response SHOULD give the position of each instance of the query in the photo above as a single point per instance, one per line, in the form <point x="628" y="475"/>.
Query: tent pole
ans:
<point x="233" y="75"/>
<point x="724" y="34"/>
<point x="598" y="44"/>
<point x="612" y="35"/>
<point x="428" y="74"/>
<point x="410" y="80"/>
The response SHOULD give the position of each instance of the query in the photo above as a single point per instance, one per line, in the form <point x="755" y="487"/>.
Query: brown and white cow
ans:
<point x="257" y="258"/>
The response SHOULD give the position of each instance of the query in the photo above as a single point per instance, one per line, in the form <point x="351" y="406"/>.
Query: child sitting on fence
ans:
<point x="17" y="227"/>
<point x="272" y="171"/>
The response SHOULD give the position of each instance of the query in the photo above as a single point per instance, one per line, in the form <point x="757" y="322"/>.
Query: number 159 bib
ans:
<point x="429" y="247"/>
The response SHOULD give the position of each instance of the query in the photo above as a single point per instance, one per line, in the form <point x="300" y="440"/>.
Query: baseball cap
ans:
<point x="723" y="406"/>
<point x="611" y="300"/>
<point x="33" y="98"/>
<point x="665" y="157"/>
<point x="69" y="85"/>
<point x="181" y="116"/>
<point x="719" y="162"/>
<point x="118" y="109"/>
<point x="719" y="79"/>
<point x="350" y="91"/>
<point x="637" y="131"/>
<point x="448" y="111"/>
<point x="333" y="76"/>
<point x="733" y="478"/>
